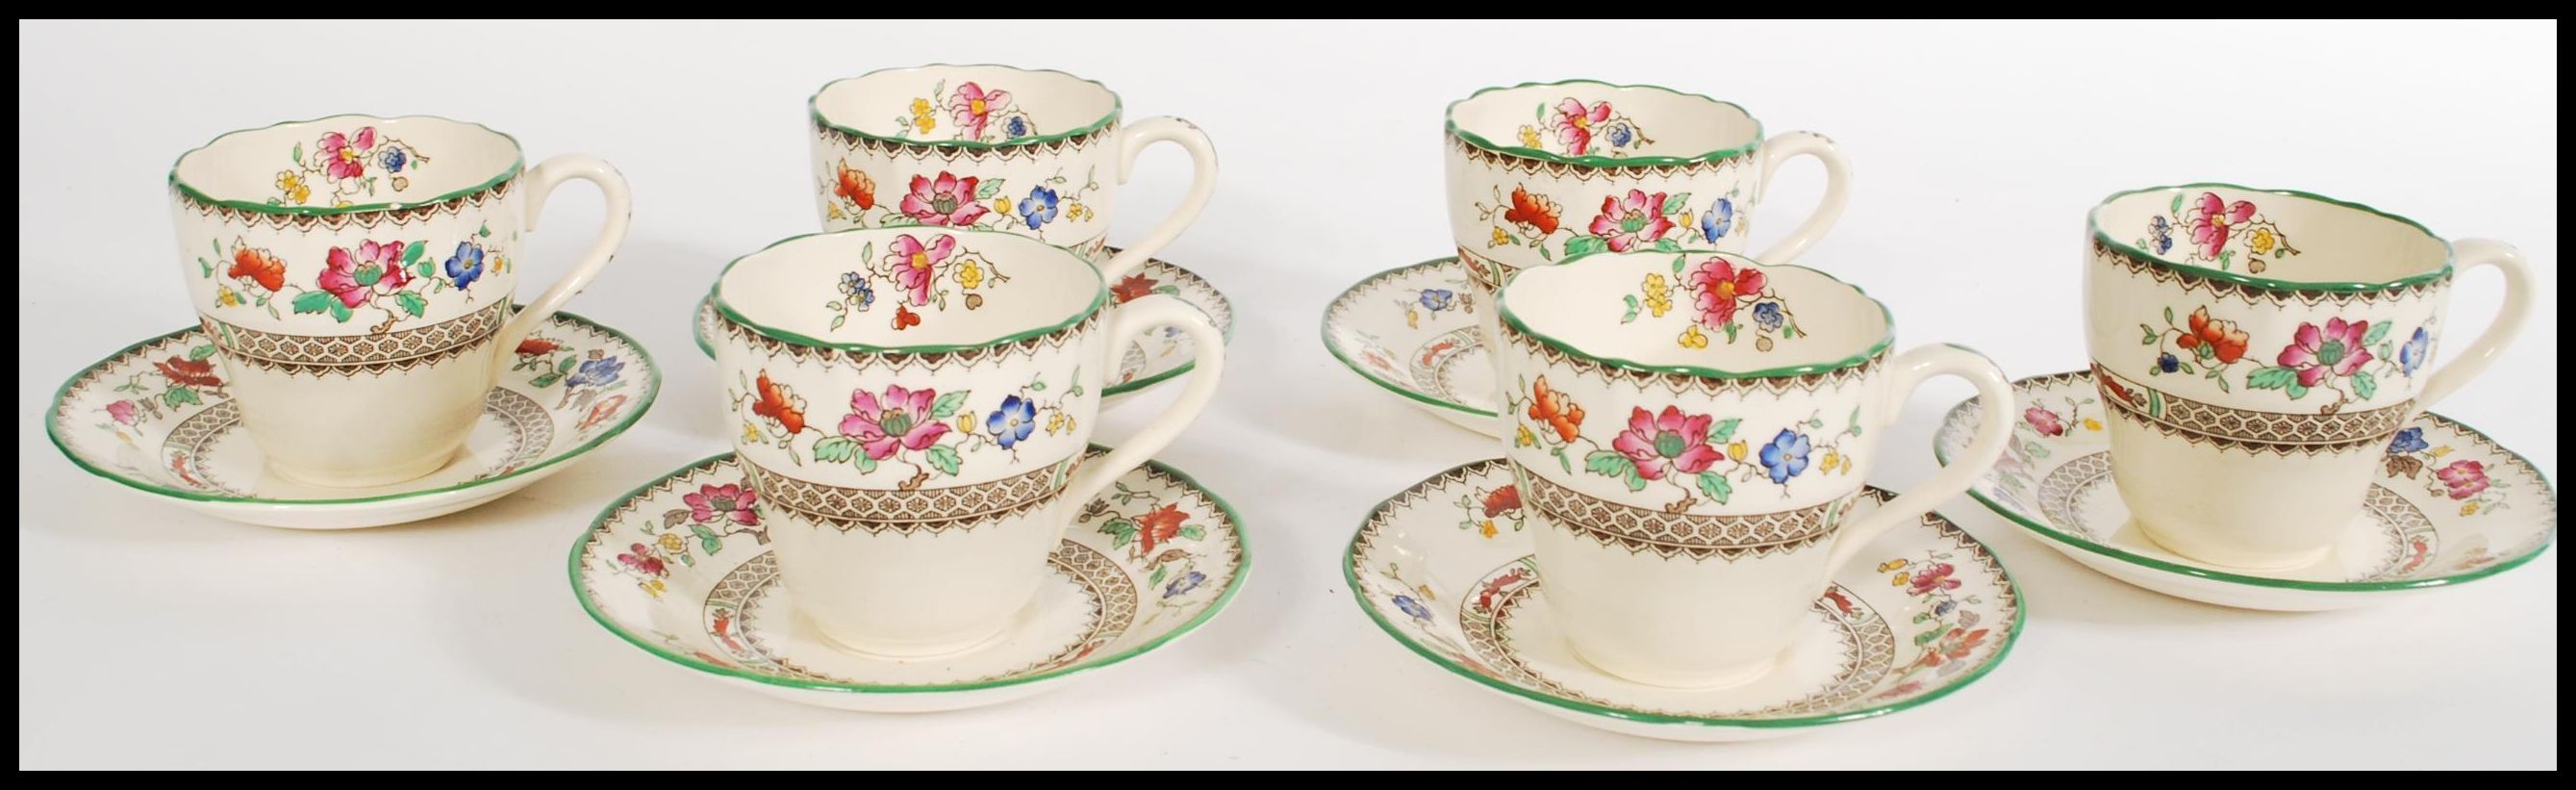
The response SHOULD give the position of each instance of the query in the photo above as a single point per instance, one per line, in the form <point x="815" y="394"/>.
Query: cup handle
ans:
<point x="2474" y="253"/>
<point x="1995" y="399"/>
<point x="1202" y="184"/>
<point x="1790" y="145"/>
<point x="1126" y="322"/>
<point x="540" y="183"/>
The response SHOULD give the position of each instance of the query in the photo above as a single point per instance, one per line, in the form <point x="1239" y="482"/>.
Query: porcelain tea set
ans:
<point x="914" y="515"/>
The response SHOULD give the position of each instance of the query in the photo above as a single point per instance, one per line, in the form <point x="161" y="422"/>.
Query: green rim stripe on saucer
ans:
<point x="1099" y="299"/>
<point x="1243" y="568"/>
<point x="1335" y="348"/>
<point x="1359" y="592"/>
<point x="1885" y="339"/>
<point x="1450" y="119"/>
<point x="652" y="389"/>
<point x="2040" y="527"/>
<point x="518" y="164"/>
<point x="1116" y="106"/>
<point x="2093" y="222"/>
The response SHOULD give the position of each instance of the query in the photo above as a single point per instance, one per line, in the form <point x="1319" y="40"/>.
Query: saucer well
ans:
<point x="157" y="417"/>
<point x="1412" y="330"/>
<point x="1445" y="567"/>
<point x="2417" y="531"/>
<point x="681" y="569"/>
<point x="1159" y="356"/>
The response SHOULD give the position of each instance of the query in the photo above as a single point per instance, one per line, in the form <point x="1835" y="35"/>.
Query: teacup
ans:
<point x="356" y="276"/>
<point x="916" y="445"/>
<point x="2259" y="349"/>
<point x="1689" y="431"/>
<point x="1038" y="153"/>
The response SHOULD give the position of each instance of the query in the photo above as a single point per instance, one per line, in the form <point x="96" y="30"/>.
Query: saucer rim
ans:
<point x="1333" y="345"/>
<point x="2039" y="525"/>
<point x="2021" y="621"/>
<point x="581" y="593"/>
<point x="652" y="392"/>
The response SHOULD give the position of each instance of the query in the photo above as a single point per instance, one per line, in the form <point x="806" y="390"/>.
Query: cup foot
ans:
<point x="367" y="478"/>
<point x="2229" y="558"/>
<point x="912" y="651"/>
<point x="1695" y="681"/>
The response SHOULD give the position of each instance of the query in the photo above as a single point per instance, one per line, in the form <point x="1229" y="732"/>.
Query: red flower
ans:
<point x="1158" y="525"/>
<point x="536" y="346"/>
<point x="1485" y="597"/>
<point x="2465" y="478"/>
<point x="1537" y="212"/>
<point x="1935" y="577"/>
<point x="728" y="501"/>
<point x="1721" y="285"/>
<point x="775" y="404"/>
<point x="1954" y="646"/>
<point x="1134" y="287"/>
<point x="189" y="372"/>
<point x="1551" y="407"/>
<point x="643" y="560"/>
<point x="1502" y="500"/>
<point x="2046" y="421"/>
<point x="2222" y="337"/>
<point x="2113" y="385"/>
<point x="258" y="266"/>
<point x="857" y="187"/>
<point x="1631" y="222"/>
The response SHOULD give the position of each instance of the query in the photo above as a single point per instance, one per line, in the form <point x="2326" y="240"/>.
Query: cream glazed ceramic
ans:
<point x="1446" y="568"/>
<point x="160" y="417"/>
<point x="683" y="568"/>
<point x="917" y="442"/>
<point x="1705" y="442"/>
<point x="2446" y="505"/>
<point x="2258" y="349"/>
<point x="359" y="270"/>
<point x="1158" y="355"/>
<point x="1038" y="153"/>
<point x="1412" y="330"/>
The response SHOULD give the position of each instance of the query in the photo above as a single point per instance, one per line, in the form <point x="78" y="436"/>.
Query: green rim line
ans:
<point x="53" y="429"/>
<point x="2021" y="618"/>
<point x="1099" y="298"/>
<point x="814" y="108"/>
<point x="1243" y="569"/>
<point x="1502" y="304"/>
<point x="2041" y="526"/>
<point x="1334" y="345"/>
<point x="1449" y="119"/>
<point x="518" y="164"/>
<point x="2093" y="222"/>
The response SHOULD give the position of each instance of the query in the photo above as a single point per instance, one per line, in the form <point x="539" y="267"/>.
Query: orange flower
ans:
<point x="855" y="185"/>
<point x="257" y="266"/>
<point x="1551" y="407"/>
<point x="187" y="372"/>
<point x="775" y="405"/>
<point x="536" y="346"/>
<point x="1158" y="525"/>
<point x="1535" y="211"/>
<point x="1132" y="288"/>
<point x="2222" y="337"/>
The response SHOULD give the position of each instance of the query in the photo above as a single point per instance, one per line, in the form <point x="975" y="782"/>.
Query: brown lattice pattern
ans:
<point x="2250" y="446"/>
<point x="2266" y="427"/>
<point x="1681" y="534"/>
<point x="252" y="345"/>
<point x="2163" y="273"/>
<point x="1680" y="384"/>
<point x="920" y="510"/>
<point x="1515" y="163"/>
<point x="926" y="150"/>
<point x="862" y="360"/>
<point x="334" y="222"/>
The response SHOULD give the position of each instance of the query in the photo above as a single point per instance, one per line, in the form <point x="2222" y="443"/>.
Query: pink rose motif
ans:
<point x="973" y="107"/>
<point x="1631" y="221"/>
<point x="726" y="501"/>
<point x="2465" y="478"/>
<point x="947" y="200"/>
<point x="1574" y="123"/>
<point x="1661" y="444"/>
<point x="345" y="157"/>
<point x="901" y="421"/>
<point x="2210" y="221"/>
<point x="1935" y="577"/>
<point x="358" y="275"/>
<point x="916" y="265"/>
<point x="121" y="411"/>
<point x="2046" y="421"/>
<point x="2336" y="351"/>
<point x="1721" y="286"/>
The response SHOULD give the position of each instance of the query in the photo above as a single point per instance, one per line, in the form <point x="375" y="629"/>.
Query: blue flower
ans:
<point x="855" y="286"/>
<point x="2168" y="363"/>
<point x="1718" y="221"/>
<point x="1012" y="423"/>
<point x="1188" y="581"/>
<point x="1438" y="299"/>
<point x="466" y="265"/>
<point x="2160" y="235"/>
<point x="1039" y="208"/>
<point x="1620" y="135"/>
<point x="2417" y="349"/>
<point x="1786" y="455"/>
<point x="596" y="373"/>
<point x="395" y="158"/>
<point x="1413" y="607"/>
<point x="1016" y="125"/>
<point x="1767" y="314"/>
<point x="1944" y="608"/>
<point x="2408" y="441"/>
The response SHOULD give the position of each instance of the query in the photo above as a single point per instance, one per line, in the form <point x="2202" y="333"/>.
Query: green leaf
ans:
<point x="838" y="320"/>
<point x="1723" y="430"/>
<point x="836" y="449"/>
<point x="1855" y="421"/>
<point x="708" y="540"/>
<point x="1543" y="254"/>
<point x="865" y="464"/>
<point x="180" y="396"/>
<point x="412" y="251"/>
<point x="1680" y="261"/>
<point x="339" y="312"/>
<point x="2271" y="378"/>
<point x="1631" y="314"/>
<point x="2376" y="334"/>
<point x="1156" y="580"/>
<point x="2222" y="381"/>
<point x="2365" y="385"/>
<point x="2168" y="314"/>
<point x="2225" y="257"/>
<point x="485" y="231"/>
<point x="205" y="269"/>
<point x="1714" y="485"/>
<point x="1194" y="532"/>
<point x="2185" y="367"/>
<point x="988" y="189"/>
<point x="1585" y="245"/>
<point x="1037" y="386"/>
<point x="1120" y="531"/>
<point x="2150" y="335"/>
<point x="297" y="155"/>
<point x="1561" y="460"/>
<point x="314" y="302"/>
<point x="566" y="365"/>
<point x="2297" y="391"/>
<point x="201" y="352"/>
<point x="412" y="302"/>
<point x="944" y="457"/>
<point x="1676" y="203"/>
<point x="544" y="381"/>
<point x="1611" y="464"/>
<point x="1926" y="637"/>
<point x="1667" y="245"/>
<point x="2177" y="204"/>
<point x="947" y="405"/>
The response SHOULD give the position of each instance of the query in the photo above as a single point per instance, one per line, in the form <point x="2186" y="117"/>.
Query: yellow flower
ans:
<point x="1736" y="451"/>
<point x="1529" y="136"/>
<point x="1686" y="219"/>
<point x="2441" y="451"/>
<point x="2469" y="509"/>
<point x="1426" y="592"/>
<point x="1076" y="211"/>
<point x="671" y="542"/>
<point x="2091" y="424"/>
<point x="1692" y="338"/>
<point x="291" y="186"/>
<point x="224" y="296"/>
<point x="340" y="204"/>
<point x="750" y="433"/>
<point x="1897" y="580"/>
<point x="1659" y="296"/>
<point x="966" y="422"/>
<point x="652" y="587"/>
<point x="1412" y="318"/>
<point x="1487" y="528"/>
<point x="1501" y="239"/>
<point x="1526" y="439"/>
<point x="1068" y="425"/>
<point x="969" y="274"/>
<point x="2262" y="241"/>
<point x="1055" y="422"/>
<point x="833" y="211"/>
<point x="1001" y="205"/>
<point x="1832" y="459"/>
<point x="1891" y="565"/>
<point x="921" y="118"/>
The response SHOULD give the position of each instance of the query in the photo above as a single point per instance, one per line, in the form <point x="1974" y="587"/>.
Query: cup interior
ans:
<point x="348" y="162"/>
<point x="1697" y="313"/>
<point x="2294" y="238"/>
<point x="965" y="104"/>
<point x="1584" y="119"/>
<point x="911" y="289"/>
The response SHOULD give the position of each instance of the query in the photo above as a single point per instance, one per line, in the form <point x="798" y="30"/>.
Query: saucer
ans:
<point x="2415" y="533"/>
<point x="680" y="568"/>
<point x="1412" y="330"/>
<point x="1445" y="568"/>
<point x="1157" y="357"/>
<point x="156" y="417"/>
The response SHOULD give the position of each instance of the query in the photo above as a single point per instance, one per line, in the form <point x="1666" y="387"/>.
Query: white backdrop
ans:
<point x="149" y="636"/>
